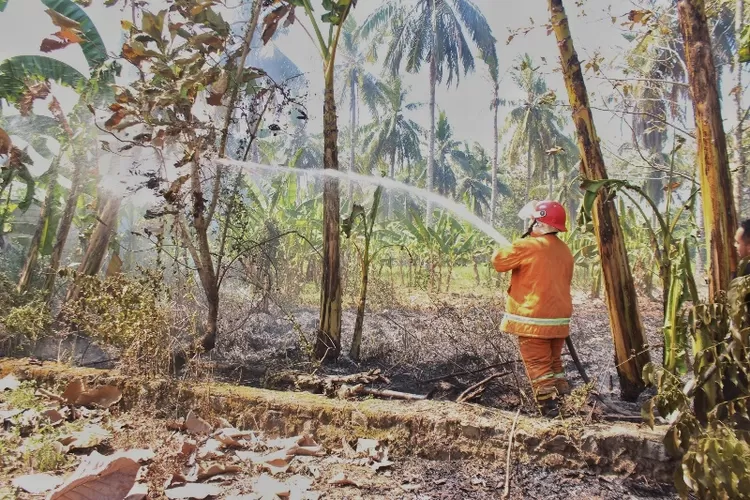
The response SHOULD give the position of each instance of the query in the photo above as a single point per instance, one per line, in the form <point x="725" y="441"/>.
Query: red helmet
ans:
<point x="551" y="213"/>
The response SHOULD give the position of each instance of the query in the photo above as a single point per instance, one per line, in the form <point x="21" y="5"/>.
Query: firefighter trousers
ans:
<point x="542" y="358"/>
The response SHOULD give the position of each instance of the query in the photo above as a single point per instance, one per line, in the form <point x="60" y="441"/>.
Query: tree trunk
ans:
<point x="328" y="343"/>
<point x="44" y="214"/>
<point x="433" y="85"/>
<point x="625" y="318"/>
<point x="98" y="243"/>
<point x="739" y="24"/>
<point x="354" y="351"/>
<point x="392" y="175"/>
<point x="66" y="220"/>
<point x="202" y="256"/>
<point x="720" y="219"/>
<point x="495" y="141"/>
<point x="353" y="132"/>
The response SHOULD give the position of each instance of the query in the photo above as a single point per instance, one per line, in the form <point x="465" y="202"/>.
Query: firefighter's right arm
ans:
<point x="509" y="257"/>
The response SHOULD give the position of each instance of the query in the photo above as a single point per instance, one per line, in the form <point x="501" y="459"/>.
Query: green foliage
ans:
<point x="744" y="46"/>
<point x="669" y="244"/>
<point x="709" y="416"/>
<point x="24" y="397"/>
<point x="130" y="313"/>
<point x="31" y="320"/>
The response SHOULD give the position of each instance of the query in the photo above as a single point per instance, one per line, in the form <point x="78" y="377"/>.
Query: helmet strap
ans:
<point x="528" y="231"/>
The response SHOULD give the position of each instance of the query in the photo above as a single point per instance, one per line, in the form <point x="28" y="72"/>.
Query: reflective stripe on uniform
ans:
<point x="538" y="321"/>
<point x="543" y="377"/>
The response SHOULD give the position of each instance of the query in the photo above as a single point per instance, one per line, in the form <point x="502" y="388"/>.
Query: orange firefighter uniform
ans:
<point x="539" y="307"/>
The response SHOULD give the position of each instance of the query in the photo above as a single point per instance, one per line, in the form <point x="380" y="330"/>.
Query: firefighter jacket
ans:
<point x="539" y="302"/>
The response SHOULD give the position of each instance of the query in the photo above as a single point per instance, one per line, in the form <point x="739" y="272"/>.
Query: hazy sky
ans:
<point x="23" y="25"/>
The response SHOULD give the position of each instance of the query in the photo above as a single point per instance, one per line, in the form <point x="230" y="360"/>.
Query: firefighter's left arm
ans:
<point x="509" y="257"/>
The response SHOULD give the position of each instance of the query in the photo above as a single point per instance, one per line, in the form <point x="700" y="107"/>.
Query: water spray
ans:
<point x="458" y="210"/>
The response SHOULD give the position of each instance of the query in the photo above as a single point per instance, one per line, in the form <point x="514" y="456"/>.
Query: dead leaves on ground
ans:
<point x="103" y="477"/>
<point x="211" y="456"/>
<point x="75" y="393"/>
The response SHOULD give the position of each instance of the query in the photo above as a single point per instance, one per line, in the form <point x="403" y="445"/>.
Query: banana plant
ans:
<point x="671" y="251"/>
<point x="365" y="255"/>
<point x="24" y="79"/>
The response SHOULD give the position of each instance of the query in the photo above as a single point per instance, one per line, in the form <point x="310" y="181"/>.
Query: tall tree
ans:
<point x="393" y="136"/>
<point x="328" y="342"/>
<point x="432" y="32"/>
<point x="719" y="216"/>
<point x="358" y="83"/>
<point x="493" y="66"/>
<point x="625" y="320"/>
<point x="537" y="127"/>
<point x="448" y="156"/>
<point x="475" y="179"/>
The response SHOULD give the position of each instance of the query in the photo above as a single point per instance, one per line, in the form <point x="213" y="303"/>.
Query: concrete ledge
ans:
<point x="429" y="429"/>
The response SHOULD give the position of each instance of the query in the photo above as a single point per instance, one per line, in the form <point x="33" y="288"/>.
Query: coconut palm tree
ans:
<point x="493" y="67"/>
<point x="475" y="179"/>
<point x="433" y="32"/>
<point x="357" y="83"/>
<point x="537" y="128"/>
<point x="393" y="137"/>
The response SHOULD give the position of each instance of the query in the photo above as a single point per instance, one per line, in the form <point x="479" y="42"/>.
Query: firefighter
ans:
<point x="539" y="303"/>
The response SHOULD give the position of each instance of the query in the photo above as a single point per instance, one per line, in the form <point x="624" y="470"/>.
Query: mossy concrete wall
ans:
<point x="429" y="429"/>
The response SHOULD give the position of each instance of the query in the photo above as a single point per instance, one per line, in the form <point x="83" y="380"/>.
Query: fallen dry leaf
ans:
<point x="299" y="485"/>
<point x="8" y="382"/>
<point x="410" y="487"/>
<point x="196" y="425"/>
<point x="103" y="397"/>
<point x="376" y="466"/>
<point x="137" y="492"/>
<point x="341" y="479"/>
<point x="176" y="425"/>
<point x="204" y="472"/>
<point x="368" y="446"/>
<point x="188" y="447"/>
<point x="224" y="423"/>
<point x="55" y="416"/>
<point x="101" y="477"/>
<point x="90" y="436"/>
<point x="194" y="490"/>
<point x="348" y="451"/>
<point x="269" y="486"/>
<point x="275" y="463"/>
<point x="37" y="483"/>
<point x="8" y="414"/>
<point x="210" y="449"/>
<point x="234" y="438"/>
<point x="73" y="391"/>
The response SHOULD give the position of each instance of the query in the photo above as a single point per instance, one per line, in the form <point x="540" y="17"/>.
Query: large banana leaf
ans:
<point x="15" y="70"/>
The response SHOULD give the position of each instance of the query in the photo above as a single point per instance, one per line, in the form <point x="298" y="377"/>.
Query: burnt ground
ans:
<point x="413" y="347"/>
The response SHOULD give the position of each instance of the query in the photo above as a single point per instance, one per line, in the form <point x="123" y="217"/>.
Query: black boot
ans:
<point x="550" y="408"/>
